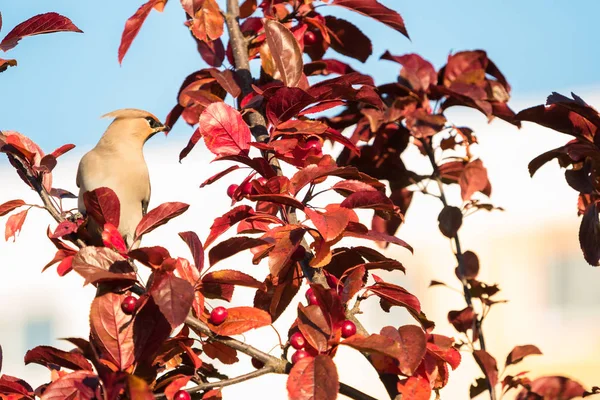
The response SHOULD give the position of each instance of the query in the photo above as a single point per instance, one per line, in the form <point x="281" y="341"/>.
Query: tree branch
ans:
<point x="427" y="145"/>
<point x="259" y="130"/>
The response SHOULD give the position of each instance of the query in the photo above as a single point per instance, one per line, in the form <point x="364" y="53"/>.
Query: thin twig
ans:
<point x="427" y="145"/>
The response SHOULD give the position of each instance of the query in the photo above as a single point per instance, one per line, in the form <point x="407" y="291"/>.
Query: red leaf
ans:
<point x="150" y="330"/>
<point x="65" y="266"/>
<point x="369" y="199"/>
<point x="487" y="363"/>
<point x="553" y="388"/>
<point x="413" y="344"/>
<point x="240" y="320"/>
<point x="332" y="223"/>
<point x="212" y="52"/>
<point x="40" y="24"/>
<point x="416" y="70"/>
<point x="347" y="39"/>
<point x="102" y="204"/>
<point x="285" y="240"/>
<point x="376" y="344"/>
<point x="415" y="388"/>
<point x="223" y="353"/>
<point x="278" y="199"/>
<point x="173" y="296"/>
<point x="4" y="64"/>
<point x="230" y="247"/>
<point x="175" y="385"/>
<point x="462" y="320"/>
<point x="313" y="378"/>
<point x="78" y="385"/>
<point x="474" y="178"/>
<point x="354" y="230"/>
<point x="218" y="176"/>
<point x="224" y="131"/>
<point x="14" y="225"/>
<point x="286" y="52"/>
<point x="373" y="9"/>
<point x="227" y="80"/>
<point x="286" y="103"/>
<point x="395" y="295"/>
<point x="99" y="264"/>
<point x="64" y="228"/>
<point x="152" y="257"/>
<point x="589" y="235"/>
<point x="353" y="282"/>
<point x="12" y="385"/>
<point x="326" y="67"/>
<point x="226" y="221"/>
<point x="62" y="150"/>
<point x="520" y="352"/>
<point x="9" y="206"/>
<point x="450" y="220"/>
<point x="112" y="330"/>
<point x="313" y="325"/>
<point x="133" y="25"/>
<point x="231" y="277"/>
<point x="46" y="355"/>
<point x="160" y="216"/>
<point x="113" y="239"/>
<point x="196" y="248"/>
<point x="207" y="20"/>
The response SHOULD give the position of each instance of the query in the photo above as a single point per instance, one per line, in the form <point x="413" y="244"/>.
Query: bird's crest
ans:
<point x="129" y="113"/>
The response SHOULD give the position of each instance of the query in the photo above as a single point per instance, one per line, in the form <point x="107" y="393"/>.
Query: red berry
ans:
<point x="297" y="341"/>
<point x="257" y="363"/>
<point x="299" y="355"/>
<point x="247" y="188"/>
<point x="299" y="253"/>
<point x="348" y="329"/>
<point x="231" y="190"/>
<point x="311" y="297"/>
<point x="182" y="395"/>
<point x="128" y="305"/>
<point x="218" y="315"/>
<point x="310" y="38"/>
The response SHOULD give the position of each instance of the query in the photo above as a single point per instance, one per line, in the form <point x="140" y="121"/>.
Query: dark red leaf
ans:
<point x="450" y="220"/>
<point x="224" y="131"/>
<point x="326" y="67"/>
<point x="553" y="388"/>
<point x="462" y="320"/>
<point x="14" y="224"/>
<point x="286" y="52"/>
<point x="373" y="199"/>
<point x="221" y="352"/>
<point x="160" y="216"/>
<point x="218" y="176"/>
<point x="150" y="330"/>
<point x="395" y="295"/>
<point x="413" y="344"/>
<point x="230" y="247"/>
<point x="347" y="39"/>
<point x="133" y="25"/>
<point x="314" y="326"/>
<point x="228" y="81"/>
<point x="473" y="179"/>
<point x="376" y="343"/>
<point x="112" y="330"/>
<point x="212" y="52"/>
<point x="352" y="230"/>
<point x="240" y="320"/>
<point x="520" y="352"/>
<point x="196" y="248"/>
<point x="9" y="206"/>
<point x="231" y="277"/>
<point x="78" y="385"/>
<point x="418" y="72"/>
<point x="152" y="257"/>
<point x="102" y="204"/>
<point x="40" y="24"/>
<point x="226" y="221"/>
<point x="12" y="385"/>
<point x="173" y="296"/>
<point x="100" y="264"/>
<point x="376" y="10"/>
<point x="487" y="363"/>
<point x="62" y="150"/>
<point x="589" y="235"/>
<point x="313" y="378"/>
<point x="46" y="355"/>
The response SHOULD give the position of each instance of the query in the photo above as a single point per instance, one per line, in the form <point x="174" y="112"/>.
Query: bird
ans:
<point x="117" y="162"/>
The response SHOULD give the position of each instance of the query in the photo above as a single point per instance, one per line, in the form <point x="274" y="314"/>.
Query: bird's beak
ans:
<point x="164" y="128"/>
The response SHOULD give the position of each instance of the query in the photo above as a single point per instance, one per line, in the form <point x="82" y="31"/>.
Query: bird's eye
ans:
<point x="153" y="123"/>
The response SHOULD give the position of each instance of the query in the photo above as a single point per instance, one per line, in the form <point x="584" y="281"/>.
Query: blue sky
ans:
<point x="65" y="81"/>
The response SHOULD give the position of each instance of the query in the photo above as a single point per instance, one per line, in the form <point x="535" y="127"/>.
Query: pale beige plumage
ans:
<point x="117" y="162"/>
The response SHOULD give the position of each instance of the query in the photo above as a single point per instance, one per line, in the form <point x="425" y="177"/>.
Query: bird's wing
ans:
<point x="146" y="200"/>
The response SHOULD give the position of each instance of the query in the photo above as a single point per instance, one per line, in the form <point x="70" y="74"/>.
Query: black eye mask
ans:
<point x="153" y="123"/>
